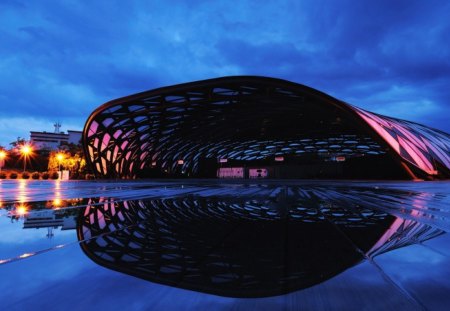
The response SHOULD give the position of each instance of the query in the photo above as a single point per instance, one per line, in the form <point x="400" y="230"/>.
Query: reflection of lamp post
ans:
<point x="2" y="159"/>
<point x="21" y="210"/>
<point x="26" y="150"/>
<point x="60" y="157"/>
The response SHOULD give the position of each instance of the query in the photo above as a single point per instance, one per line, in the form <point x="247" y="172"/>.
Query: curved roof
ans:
<point x="248" y="118"/>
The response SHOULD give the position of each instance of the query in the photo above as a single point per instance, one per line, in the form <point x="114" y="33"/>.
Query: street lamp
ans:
<point x="25" y="150"/>
<point x="59" y="157"/>
<point x="2" y="159"/>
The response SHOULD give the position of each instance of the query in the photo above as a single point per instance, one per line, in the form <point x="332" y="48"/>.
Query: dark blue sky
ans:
<point x="59" y="60"/>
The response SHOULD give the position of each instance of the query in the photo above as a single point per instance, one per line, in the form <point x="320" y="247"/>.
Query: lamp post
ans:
<point x="26" y="150"/>
<point x="59" y="157"/>
<point x="2" y="159"/>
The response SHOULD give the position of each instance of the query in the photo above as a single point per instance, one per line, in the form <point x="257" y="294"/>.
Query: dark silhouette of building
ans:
<point x="256" y="127"/>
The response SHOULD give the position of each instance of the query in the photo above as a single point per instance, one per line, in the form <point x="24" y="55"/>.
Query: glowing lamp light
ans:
<point x="223" y="160"/>
<point x="21" y="210"/>
<point x="279" y="159"/>
<point x="26" y="150"/>
<point x="340" y="159"/>
<point x="180" y="162"/>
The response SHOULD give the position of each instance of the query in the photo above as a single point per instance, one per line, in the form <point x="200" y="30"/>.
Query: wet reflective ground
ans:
<point x="207" y="244"/>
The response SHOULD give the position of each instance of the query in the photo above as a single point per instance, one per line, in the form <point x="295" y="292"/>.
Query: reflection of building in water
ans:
<point x="43" y="219"/>
<point x="51" y="214"/>
<point x="256" y="247"/>
<point x="403" y="232"/>
<point x="49" y="219"/>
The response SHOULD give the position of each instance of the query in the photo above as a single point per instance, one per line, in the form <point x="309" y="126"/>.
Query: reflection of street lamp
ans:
<point x="56" y="203"/>
<point x="21" y="210"/>
<point x="2" y="159"/>
<point x="25" y="150"/>
<point x="60" y="157"/>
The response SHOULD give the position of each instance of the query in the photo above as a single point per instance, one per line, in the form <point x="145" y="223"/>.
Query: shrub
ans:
<point x="25" y="175"/>
<point x="2" y="175"/>
<point x="89" y="176"/>
<point x="54" y="175"/>
<point x="45" y="175"/>
<point x="13" y="175"/>
<point x="35" y="175"/>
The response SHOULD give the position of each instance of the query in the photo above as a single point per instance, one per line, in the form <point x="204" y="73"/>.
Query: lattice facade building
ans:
<point x="255" y="127"/>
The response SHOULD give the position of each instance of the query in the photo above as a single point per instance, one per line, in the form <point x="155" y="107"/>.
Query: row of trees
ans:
<point x="70" y="157"/>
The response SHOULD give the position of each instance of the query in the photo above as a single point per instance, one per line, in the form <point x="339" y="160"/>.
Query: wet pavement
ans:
<point x="227" y="245"/>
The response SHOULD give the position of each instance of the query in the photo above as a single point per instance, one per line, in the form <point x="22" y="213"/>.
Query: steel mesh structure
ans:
<point x="194" y="129"/>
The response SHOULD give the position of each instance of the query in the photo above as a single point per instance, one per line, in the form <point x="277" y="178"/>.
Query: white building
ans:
<point x="74" y="137"/>
<point x="52" y="141"/>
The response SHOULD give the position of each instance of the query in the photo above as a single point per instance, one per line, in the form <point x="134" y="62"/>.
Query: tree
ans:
<point x="72" y="160"/>
<point x="19" y="142"/>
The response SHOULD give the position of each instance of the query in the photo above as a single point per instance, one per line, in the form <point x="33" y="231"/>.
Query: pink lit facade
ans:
<point x="230" y="172"/>
<point x="424" y="148"/>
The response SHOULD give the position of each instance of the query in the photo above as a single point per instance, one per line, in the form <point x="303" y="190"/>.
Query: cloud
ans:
<point x="64" y="60"/>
